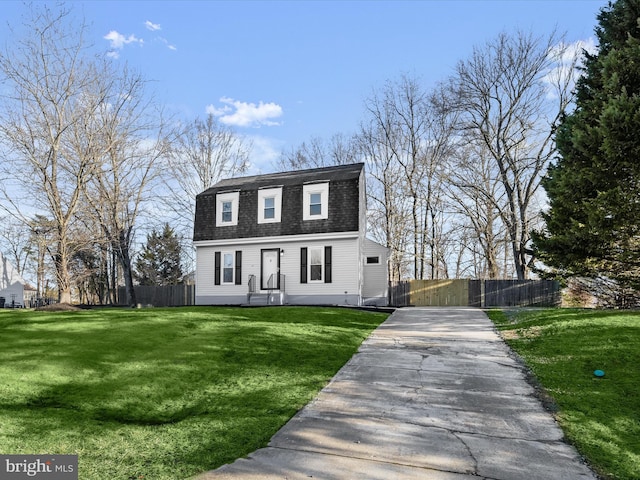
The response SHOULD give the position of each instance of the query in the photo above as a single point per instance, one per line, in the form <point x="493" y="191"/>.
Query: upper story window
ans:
<point x="269" y="208"/>
<point x="270" y="205"/>
<point x="315" y="202"/>
<point x="227" y="209"/>
<point x="227" y="212"/>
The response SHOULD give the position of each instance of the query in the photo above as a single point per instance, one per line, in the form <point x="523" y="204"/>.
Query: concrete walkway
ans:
<point x="433" y="394"/>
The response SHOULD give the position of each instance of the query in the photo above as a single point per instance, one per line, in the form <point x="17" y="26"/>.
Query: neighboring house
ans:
<point x="30" y="295"/>
<point x="11" y="285"/>
<point x="288" y="238"/>
<point x="189" y="278"/>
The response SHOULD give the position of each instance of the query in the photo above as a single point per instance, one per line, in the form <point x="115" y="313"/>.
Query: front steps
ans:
<point x="272" y="298"/>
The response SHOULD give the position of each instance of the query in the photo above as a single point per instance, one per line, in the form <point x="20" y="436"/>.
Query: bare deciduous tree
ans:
<point x="203" y="153"/>
<point x="130" y="141"/>
<point x="474" y="188"/>
<point x="387" y="218"/>
<point x="316" y="153"/>
<point x="82" y="137"/>
<point x="16" y="239"/>
<point x="510" y="95"/>
<point x="49" y="73"/>
<point x="408" y="134"/>
<point x="41" y="232"/>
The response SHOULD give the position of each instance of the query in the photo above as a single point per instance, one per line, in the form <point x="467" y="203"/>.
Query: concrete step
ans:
<point x="273" y="298"/>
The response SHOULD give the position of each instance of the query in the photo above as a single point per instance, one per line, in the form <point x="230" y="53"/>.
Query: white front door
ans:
<point x="270" y="269"/>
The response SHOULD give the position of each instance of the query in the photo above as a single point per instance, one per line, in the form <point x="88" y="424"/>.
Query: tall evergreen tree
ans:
<point x="593" y="223"/>
<point x="159" y="262"/>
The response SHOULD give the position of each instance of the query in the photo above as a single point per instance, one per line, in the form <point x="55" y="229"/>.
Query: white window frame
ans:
<point x="276" y="194"/>
<point x="315" y="188"/>
<point x="224" y="255"/>
<point x="315" y="200"/>
<point x="225" y="212"/>
<point x="221" y="199"/>
<point x="309" y="264"/>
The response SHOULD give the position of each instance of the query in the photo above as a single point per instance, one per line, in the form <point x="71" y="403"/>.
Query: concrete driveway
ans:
<point x="434" y="394"/>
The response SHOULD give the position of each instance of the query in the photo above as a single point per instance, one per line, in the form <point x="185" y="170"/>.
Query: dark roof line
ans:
<point x="311" y="175"/>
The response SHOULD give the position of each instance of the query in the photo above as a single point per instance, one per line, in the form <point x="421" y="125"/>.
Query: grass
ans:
<point x="164" y="393"/>
<point x="563" y="348"/>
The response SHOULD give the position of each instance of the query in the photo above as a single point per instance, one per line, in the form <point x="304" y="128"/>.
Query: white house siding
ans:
<point x="343" y="289"/>
<point x="11" y="283"/>
<point x="375" y="290"/>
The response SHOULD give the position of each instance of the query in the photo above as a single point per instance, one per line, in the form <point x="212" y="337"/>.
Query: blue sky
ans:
<point x="283" y="72"/>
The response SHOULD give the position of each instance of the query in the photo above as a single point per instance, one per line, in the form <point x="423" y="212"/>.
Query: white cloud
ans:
<point x="217" y="112"/>
<point x="265" y="152"/>
<point x="565" y="54"/>
<point x="152" y="26"/>
<point x="245" y="114"/>
<point x="166" y="42"/>
<point x="566" y="59"/>
<point x="118" y="40"/>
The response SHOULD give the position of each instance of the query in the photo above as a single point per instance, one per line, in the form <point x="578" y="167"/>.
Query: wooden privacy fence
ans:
<point x="515" y="293"/>
<point x="399" y="294"/>
<point x="476" y="293"/>
<point x="166" y="296"/>
<point x="439" y="292"/>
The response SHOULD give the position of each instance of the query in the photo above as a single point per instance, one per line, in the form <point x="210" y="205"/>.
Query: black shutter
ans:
<point x="216" y="275"/>
<point x="303" y="265"/>
<point x="238" y="267"/>
<point x="327" y="264"/>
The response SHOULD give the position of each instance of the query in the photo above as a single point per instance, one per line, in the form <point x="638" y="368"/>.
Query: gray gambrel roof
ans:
<point x="297" y="177"/>
<point x="345" y="204"/>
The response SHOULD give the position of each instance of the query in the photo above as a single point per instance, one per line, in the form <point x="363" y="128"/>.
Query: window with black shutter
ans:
<point x="217" y="261"/>
<point x="327" y="264"/>
<point x="238" y="267"/>
<point x="303" y="265"/>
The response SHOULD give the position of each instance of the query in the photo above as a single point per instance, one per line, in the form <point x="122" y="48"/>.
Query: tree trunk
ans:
<point x="125" y="263"/>
<point x="416" y="234"/>
<point x="62" y="276"/>
<point x="128" y="281"/>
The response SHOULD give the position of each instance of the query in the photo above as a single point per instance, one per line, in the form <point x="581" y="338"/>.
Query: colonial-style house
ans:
<point x="288" y="238"/>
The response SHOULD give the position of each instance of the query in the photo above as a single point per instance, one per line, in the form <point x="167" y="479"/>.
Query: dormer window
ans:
<point x="315" y="204"/>
<point x="227" y="209"/>
<point x="227" y="212"/>
<point x="269" y="208"/>
<point x="269" y="205"/>
<point x="315" y="201"/>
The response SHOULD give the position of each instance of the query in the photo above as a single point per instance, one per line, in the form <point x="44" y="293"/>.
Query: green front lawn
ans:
<point x="563" y="348"/>
<point x="164" y="393"/>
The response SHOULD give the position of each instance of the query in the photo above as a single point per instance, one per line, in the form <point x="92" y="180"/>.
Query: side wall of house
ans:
<point x="11" y="283"/>
<point x="345" y="271"/>
<point x="13" y="293"/>
<point x="375" y="290"/>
